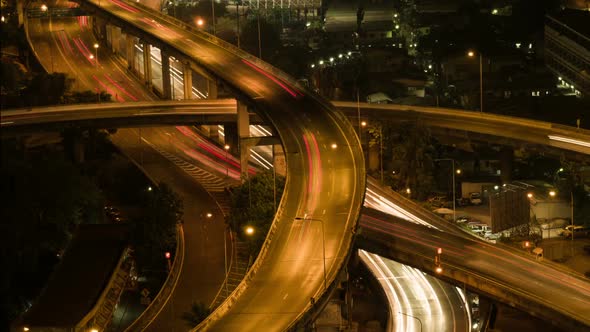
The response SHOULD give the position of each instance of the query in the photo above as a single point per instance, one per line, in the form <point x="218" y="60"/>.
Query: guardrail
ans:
<point x="152" y="311"/>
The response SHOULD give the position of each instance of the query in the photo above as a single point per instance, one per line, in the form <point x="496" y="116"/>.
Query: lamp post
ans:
<point x="323" y="246"/>
<point x="419" y="321"/>
<point x="96" y="64"/>
<point x="45" y="9"/>
<point x="213" y="15"/>
<point x="471" y="54"/>
<point x="238" y="20"/>
<point x="226" y="148"/>
<point x="453" y="171"/>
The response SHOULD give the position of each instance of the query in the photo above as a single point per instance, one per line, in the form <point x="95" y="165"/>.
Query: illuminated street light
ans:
<point x="209" y="214"/>
<point x="349" y="53"/>
<point x="458" y="171"/>
<point x="250" y="230"/>
<point x="331" y="59"/>
<point x="25" y="328"/>
<point x="552" y="193"/>
<point x="200" y="22"/>
<point x="340" y="56"/>
<point x="149" y="188"/>
<point x="334" y="146"/>
<point x="323" y="245"/>
<point x="408" y="191"/>
<point x="529" y="195"/>
<point x="471" y="54"/>
<point x="44" y="7"/>
<point x="364" y="123"/>
<point x="438" y="270"/>
<point x="313" y="65"/>
<point x="321" y="62"/>
<point x="226" y="148"/>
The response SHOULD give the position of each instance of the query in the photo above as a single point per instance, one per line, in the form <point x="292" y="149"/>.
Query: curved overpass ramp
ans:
<point x="540" y="288"/>
<point x="325" y="178"/>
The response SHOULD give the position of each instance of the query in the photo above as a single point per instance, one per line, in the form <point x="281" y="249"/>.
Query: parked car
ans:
<point x="475" y="198"/>
<point x="578" y="231"/>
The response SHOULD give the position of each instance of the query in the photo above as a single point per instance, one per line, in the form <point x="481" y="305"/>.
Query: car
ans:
<point x="578" y="231"/>
<point x="475" y="198"/>
<point x="462" y="219"/>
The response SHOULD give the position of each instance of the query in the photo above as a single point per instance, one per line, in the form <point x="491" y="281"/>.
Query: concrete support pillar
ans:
<point x="279" y="160"/>
<point x="147" y="64"/>
<point x="506" y="161"/>
<point x="243" y="132"/>
<point x="166" y="83"/>
<point x="130" y="52"/>
<point x="115" y="39"/>
<point x="214" y="132"/>
<point x="211" y="89"/>
<point x="188" y="81"/>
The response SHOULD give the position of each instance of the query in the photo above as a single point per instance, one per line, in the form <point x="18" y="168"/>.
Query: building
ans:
<point x="567" y="49"/>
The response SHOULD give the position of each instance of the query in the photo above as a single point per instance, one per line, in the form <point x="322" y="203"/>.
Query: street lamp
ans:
<point x="323" y="245"/>
<point x="419" y="321"/>
<point x="471" y="54"/>
<point x="226" y="148"/>
<point x="453" y="171"/>
<point x="249" y="230"/>
<point x="213" y="15"/>
<point x="96" y="64"/>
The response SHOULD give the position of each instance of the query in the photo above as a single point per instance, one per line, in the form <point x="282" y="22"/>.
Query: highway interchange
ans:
<point x="316" y="180"/>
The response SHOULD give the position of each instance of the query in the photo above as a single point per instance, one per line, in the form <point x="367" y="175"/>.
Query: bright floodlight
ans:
<point x="470" y="54"/>
<point x="552" y="193"/>
<point x="209" y="214"/>
<point x="249" y="230"/>
<point x="458" y="171"/>
<point x="44" y="7"/>
<point x="95" y="45"/>
<point x="226" y="147"/>
<point x="438" y="269"/>
<point x="364" y="123"/>
<point x="91" y="57"/>
<point x="334" y="146"/>
<point x="313" y="65"/>
<point x="408" y="191"/>
<point x="200" y="22"/>
<point x="529" y="195"/>
<point x="331" y="59"/>
<point x="321" y="62"/>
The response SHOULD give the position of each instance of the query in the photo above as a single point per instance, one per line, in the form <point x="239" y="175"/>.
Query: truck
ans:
<point x="475" y="198"/>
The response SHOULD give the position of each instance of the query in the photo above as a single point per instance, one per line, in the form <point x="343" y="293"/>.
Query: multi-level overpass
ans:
<point x="509" y="287"/>
<point x="245" y="99"/>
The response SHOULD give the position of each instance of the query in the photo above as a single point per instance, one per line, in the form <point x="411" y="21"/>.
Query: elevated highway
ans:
<point x="325" y="181"/>
<point x="538" y="288"/>
<point x="477" y="271"/>
<point x="502" y="129"/>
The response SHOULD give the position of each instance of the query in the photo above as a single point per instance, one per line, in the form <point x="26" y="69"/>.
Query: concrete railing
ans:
<point x="152" y="311"/>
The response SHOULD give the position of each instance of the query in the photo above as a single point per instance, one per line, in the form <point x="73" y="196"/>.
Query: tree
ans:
<point x="269" y="36"/>
<point x="154" y="233"/>
<point x="252" y="205"/>
<point x="408" y="149"/>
